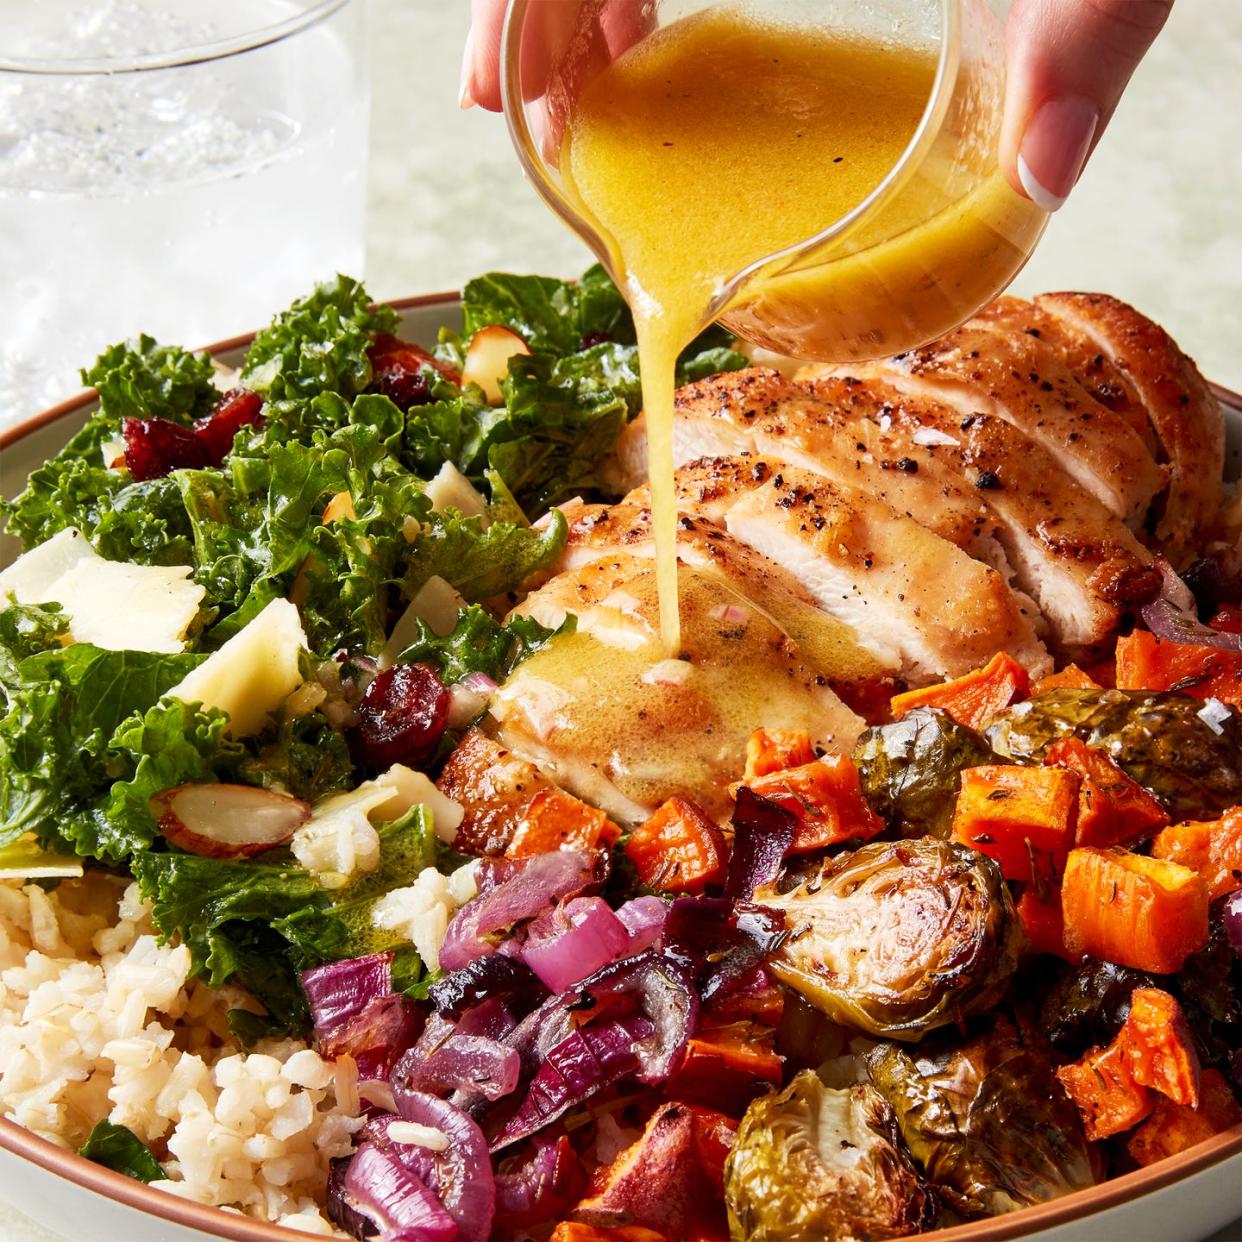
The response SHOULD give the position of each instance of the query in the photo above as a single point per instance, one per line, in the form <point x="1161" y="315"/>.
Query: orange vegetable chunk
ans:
<point x="1135" y="911"/>
<point x="1212" y="848"/>
<point x="1071" y="677"/>
<point x="1174" y="1128"/>
<point x="1228" y="619"/>
<point x="1022" y="817"/>
<point x="1112" y="808"/>
<point x="1158" y="1047"/>
<point x="773" y="750"/>
<point x="572" y="1231"/>
<point x="554" y="820"/>
<point x="1145" y="662"/>
<point x="827" y="798"/>
<point x="727" y="1067"/>
<point x="1043" y="923"/>
<point x="1108" y="1098"/>
<point x="679" y="849"/>
<point x="974" y="699"/>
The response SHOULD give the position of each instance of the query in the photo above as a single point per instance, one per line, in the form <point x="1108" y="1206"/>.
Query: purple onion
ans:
<point x="342" y="990"/>
<point x="540" y="1189"/>
<point x="541" y="882"/>
<point x="461" y="1175"/>
<point x="643" y="918"/>
<point x="498" y="977"/>
<point x="378" y="1186"/>
<point x="722" y="945"/>
<point x="1175" y="625"/>
<point x="762" y="835"/>
<point x="470" y="1063"/>
<point x="340" y="1210"/>
<point x="1231" y="915"/>
<point x="376" y="1037"/>
<point x="588" y="1059"/>
<point x="573" y="941"/>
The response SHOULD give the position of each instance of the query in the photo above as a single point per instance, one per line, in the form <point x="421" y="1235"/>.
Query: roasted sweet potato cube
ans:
<point x="827" y="798"/>
<point x="1112" y="808"/>
<point x="556" y="820"/>
<point x="1159" y="1048"/>
<point x="1022" y="817"/>
<point x="1145" y="662"/>
<point x="1071" y="677"/>
<point x="773" y="750"/>
<point x="1212" y="848"/>
<point x="1043" y="923"/>
<point x="1174" y="1128"/>
<point x="726" y="1067"/>
<point x="679" y="849"/>
<point x="1136" y="911"/>
<point x="974" y="699"/>
<point x="1108" y="1098"/>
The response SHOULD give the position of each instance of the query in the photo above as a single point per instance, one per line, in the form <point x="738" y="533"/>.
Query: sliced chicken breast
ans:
<point x="1081" y="564"/>
<point x="909" y="595"/>
<point x="1186" y="416"/>
<point x="609" y="716"/>
<point x="981" y="368"/>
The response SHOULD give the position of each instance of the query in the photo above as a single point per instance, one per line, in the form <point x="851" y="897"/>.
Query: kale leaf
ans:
<point x="118" y="1148"/>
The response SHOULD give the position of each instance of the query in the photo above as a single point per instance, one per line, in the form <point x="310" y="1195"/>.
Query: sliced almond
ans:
<point x="487" y="359"/>
<point x="227" y="821"/>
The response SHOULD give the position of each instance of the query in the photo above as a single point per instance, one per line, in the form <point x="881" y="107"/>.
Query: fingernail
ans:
<point x="1054" y="149"/>
<point x="465" y="93"/>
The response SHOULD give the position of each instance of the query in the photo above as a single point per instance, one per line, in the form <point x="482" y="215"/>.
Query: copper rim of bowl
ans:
<point x="215" y="1223"/>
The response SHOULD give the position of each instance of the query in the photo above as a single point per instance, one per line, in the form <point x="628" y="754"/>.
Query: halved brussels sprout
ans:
<point x="911" y="770"/>
<point x="811" y="1164"/>
<point x="985" y="1119"/>
<point x="898" y="937"/>
<point x="1159" y="739"/>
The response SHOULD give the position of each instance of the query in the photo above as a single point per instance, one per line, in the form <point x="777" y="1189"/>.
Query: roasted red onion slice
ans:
<point x="378" y="1188"/>
<point x="721" y="944"/>
<point x="376" y="1037"/>
<point x="643" y="918"/>
<point x="342" y="990"/>
<point x="573" y="941"/>
<point x="540" y="1189"/>
<point x="474" y="1064"/>
<point x="588" y="1059"/>
<point x="762" y="835"/>
<point x="541" y="882"/>
<point x="1174" y="625"/>
<point x="488" y="978"/>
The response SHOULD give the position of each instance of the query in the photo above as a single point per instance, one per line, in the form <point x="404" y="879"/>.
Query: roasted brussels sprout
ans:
<point x="985" y="1119"/>
<point x="811" y="1164"/>
<point x="1159" y="739"/>
<point x="898" y="937"/>
<point x="1086" y="1006"/>
<point x="911" y="770"/>
<point x="1209" y="986"/>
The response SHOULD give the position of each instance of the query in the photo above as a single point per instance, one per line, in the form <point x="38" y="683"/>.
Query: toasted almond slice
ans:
<point x="227" y="821"/>
<point x="487" y="359"/>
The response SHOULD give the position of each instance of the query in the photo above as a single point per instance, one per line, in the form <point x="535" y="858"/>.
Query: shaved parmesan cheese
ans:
<point x="437" y="603"/>
<point x="930" y="436"/>
<point x="112" y="604"/>
<point x="253" y="673"/>
<point x="450" y="489"/>
<point x="340" y="840"/>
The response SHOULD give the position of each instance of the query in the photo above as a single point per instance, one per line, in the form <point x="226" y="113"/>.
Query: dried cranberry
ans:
<point x="154" y="446"/>
<point x="401" y="717"/>
<point x="404" y="388"/>
<point x="235" y="410"/>
<point x="592" y="339"/>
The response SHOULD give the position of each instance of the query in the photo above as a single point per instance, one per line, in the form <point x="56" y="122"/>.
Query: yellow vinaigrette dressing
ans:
<point x="721" y="139"/>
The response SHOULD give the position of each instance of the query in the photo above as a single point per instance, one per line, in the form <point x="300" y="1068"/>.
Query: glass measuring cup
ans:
<point x="938" y="237"/>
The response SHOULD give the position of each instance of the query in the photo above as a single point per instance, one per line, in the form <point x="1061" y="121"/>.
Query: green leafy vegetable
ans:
<point x="27" y="629"/>
<point x="256" y="924"/>
<point x="480" y="644"/>
<point x="1158" y="739"/>
<point x="143" y="379"/>
<point x="118" y="1148"/>
<point x="481" y="563"/>
<point x="307" y="758"/>
<point x="318" y="345"/>
<point x="911" y="770"/>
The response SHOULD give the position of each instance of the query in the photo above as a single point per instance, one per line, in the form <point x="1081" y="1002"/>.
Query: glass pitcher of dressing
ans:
<point x="820" y="175"/>
<point x="845" y="254"/>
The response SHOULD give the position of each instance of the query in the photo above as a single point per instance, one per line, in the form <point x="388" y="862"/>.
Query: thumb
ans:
<point x="1067" y="63"/>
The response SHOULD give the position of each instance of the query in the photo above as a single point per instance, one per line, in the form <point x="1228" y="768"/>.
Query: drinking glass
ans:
<point x="169" y="167"/>
<point x="934" y="241"/>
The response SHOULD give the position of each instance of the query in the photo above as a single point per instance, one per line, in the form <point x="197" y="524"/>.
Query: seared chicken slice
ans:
<point x="1081" y="564"/>
<point x="759" y="411"/>
<point x="981" y="368"/>
<point x="608" y="715"/>
<point x="909" y="595"/>
<point x="1185" y="415"/>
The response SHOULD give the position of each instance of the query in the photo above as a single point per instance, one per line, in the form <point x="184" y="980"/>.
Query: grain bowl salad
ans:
<point x="368" y="866"/>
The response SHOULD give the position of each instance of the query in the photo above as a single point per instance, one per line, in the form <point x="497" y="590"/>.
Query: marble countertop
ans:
<point x="1157" y="218"/>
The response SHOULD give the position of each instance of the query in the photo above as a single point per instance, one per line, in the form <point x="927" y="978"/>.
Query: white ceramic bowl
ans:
<point x="1183" y="1199"/>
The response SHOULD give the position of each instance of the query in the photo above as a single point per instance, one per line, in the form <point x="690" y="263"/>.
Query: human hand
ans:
<point x="1068" y="62"/>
